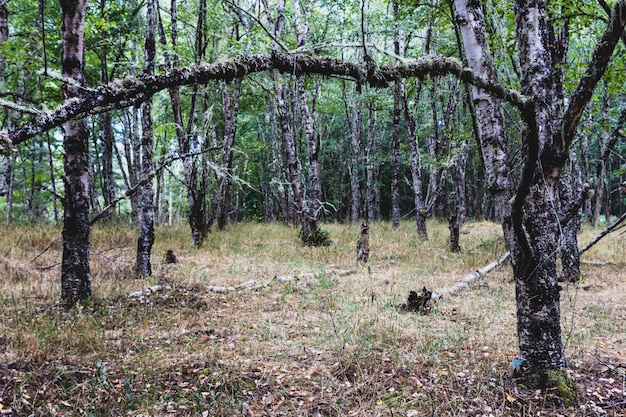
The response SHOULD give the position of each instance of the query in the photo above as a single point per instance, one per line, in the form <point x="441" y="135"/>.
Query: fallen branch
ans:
<point x="471" y="278"/>
<point x="608" y="230"/>
<point x="254" y="285"/>
<point x="148" y="291"/>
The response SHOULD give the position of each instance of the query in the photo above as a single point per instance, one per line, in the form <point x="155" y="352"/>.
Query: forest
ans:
<point x="398" y="144"/>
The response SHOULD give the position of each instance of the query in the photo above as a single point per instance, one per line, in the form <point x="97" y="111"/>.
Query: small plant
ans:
<point x="315" y="237"/>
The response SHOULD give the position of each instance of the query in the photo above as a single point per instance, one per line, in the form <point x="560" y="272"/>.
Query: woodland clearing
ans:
<point x="325" y="339"/>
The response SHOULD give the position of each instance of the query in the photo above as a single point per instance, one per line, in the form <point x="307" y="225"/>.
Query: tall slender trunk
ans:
<point x="398" y="47"/>
<point x="195" y="194"/>
<point x="53" y="184"/>
<point x="132" y="158"/>
<point x="433" y="195"/>
<point x="4" y="36"/>
<point x="277" y="183"/>
<point x="492" y="136"/>
<point x="370" y="193"/>
<point x="355" y="123"/>
<point x="106" y="131"/>
<point x="75" y="274"/>
<point x="143" y="266"/>
<point x="285" y="118"/>
<point x="313" y="201"/>
<point x="416" y="176"/>
<point x="221" y="202"/>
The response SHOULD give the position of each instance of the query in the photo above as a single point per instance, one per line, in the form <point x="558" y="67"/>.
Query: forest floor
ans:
<point x="255" y="324"/>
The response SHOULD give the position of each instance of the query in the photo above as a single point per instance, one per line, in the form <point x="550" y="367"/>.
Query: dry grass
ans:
<point x="323" y="345"/>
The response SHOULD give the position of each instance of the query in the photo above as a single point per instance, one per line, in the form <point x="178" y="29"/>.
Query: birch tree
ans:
<point x="75" y="274"/>
<point x="143" y="266"/>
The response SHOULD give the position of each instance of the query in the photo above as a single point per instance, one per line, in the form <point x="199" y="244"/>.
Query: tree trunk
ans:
<point x="106" y="136"/>
<point x="355" y="124"/>
<point x="4" y="36"/>
<point x="534" y="265"/>
<point x="453" y="225"/>
<point x="398" y="48"/>
<point x="221" y="203"/>
<point x="313" y="201"/>
<point x="571" y="205"/>
<point x="55" y="209"/>
<point x="278" y="181"/>
<point x="132" y="158"/>
<point x="285" y="119"/>
<point x="418" y="200"/>
<point x="75" y="274"/>
<point x="145" y="241"/>
<point x="370" y="193"/>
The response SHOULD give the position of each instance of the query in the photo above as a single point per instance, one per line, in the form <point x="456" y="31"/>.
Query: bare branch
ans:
<point x="133" y="90"/>
<point x="606" y="231"/>
<point x="596" y="69"/>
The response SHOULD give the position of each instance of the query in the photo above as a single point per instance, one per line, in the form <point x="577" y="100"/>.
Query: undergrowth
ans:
<point x="329" y="339"/>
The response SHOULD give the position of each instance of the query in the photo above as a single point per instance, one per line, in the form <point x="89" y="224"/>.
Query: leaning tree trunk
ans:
<point x="75" y="275"/>
<point x="143" y="266"/>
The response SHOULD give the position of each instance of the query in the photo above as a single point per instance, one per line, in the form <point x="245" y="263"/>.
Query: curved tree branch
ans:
<point x="133" y="90"/>
<point x="597" y="67"/>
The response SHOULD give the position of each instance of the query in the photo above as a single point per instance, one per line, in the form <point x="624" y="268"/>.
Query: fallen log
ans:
<point x="469" y="278"/>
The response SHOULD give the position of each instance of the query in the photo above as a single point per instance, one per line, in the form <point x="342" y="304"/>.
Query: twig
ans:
<point x="132" y="190"/>
<point x="45" y="250"/>
<point x="604" y="233"/>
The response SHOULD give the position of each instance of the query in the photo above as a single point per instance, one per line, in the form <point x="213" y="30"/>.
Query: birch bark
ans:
<point x="75" y="274"/>
<point x="143" y="266"/>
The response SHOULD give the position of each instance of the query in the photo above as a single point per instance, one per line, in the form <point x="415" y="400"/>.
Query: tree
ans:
<point x="75" y="274"/>
<point x="143" y="266"/>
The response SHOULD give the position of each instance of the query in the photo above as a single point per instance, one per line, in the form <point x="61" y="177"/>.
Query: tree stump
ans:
<point x="363" y="244"/>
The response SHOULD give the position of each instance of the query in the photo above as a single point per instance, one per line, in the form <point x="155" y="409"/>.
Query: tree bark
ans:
<point x="492" y="136"/>
<point x="285" y="119"/>
<point x="548" y="136"/>
<point x="398" y="49"/>
<point x="143" y="266"/>
<point x="75" y="274"/>
<point x="570" y="189"/>
<point x="106" y="136"/>
<point x="418" y="200"/>
<point x="220" y="205"/>
<point x="355" y="123"/>
<point x="8" y="161"/>
<point x="313" y="204"/>
<point x="370" y="193"/>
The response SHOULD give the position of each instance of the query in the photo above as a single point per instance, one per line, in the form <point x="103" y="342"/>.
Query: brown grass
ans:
<point x="322" y="345"/>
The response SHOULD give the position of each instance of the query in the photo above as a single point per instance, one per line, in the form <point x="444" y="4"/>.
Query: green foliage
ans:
<point x="315" y="237"/>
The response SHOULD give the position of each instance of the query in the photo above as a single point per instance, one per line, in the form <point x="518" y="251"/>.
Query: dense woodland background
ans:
<point x="233" y="159"/>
